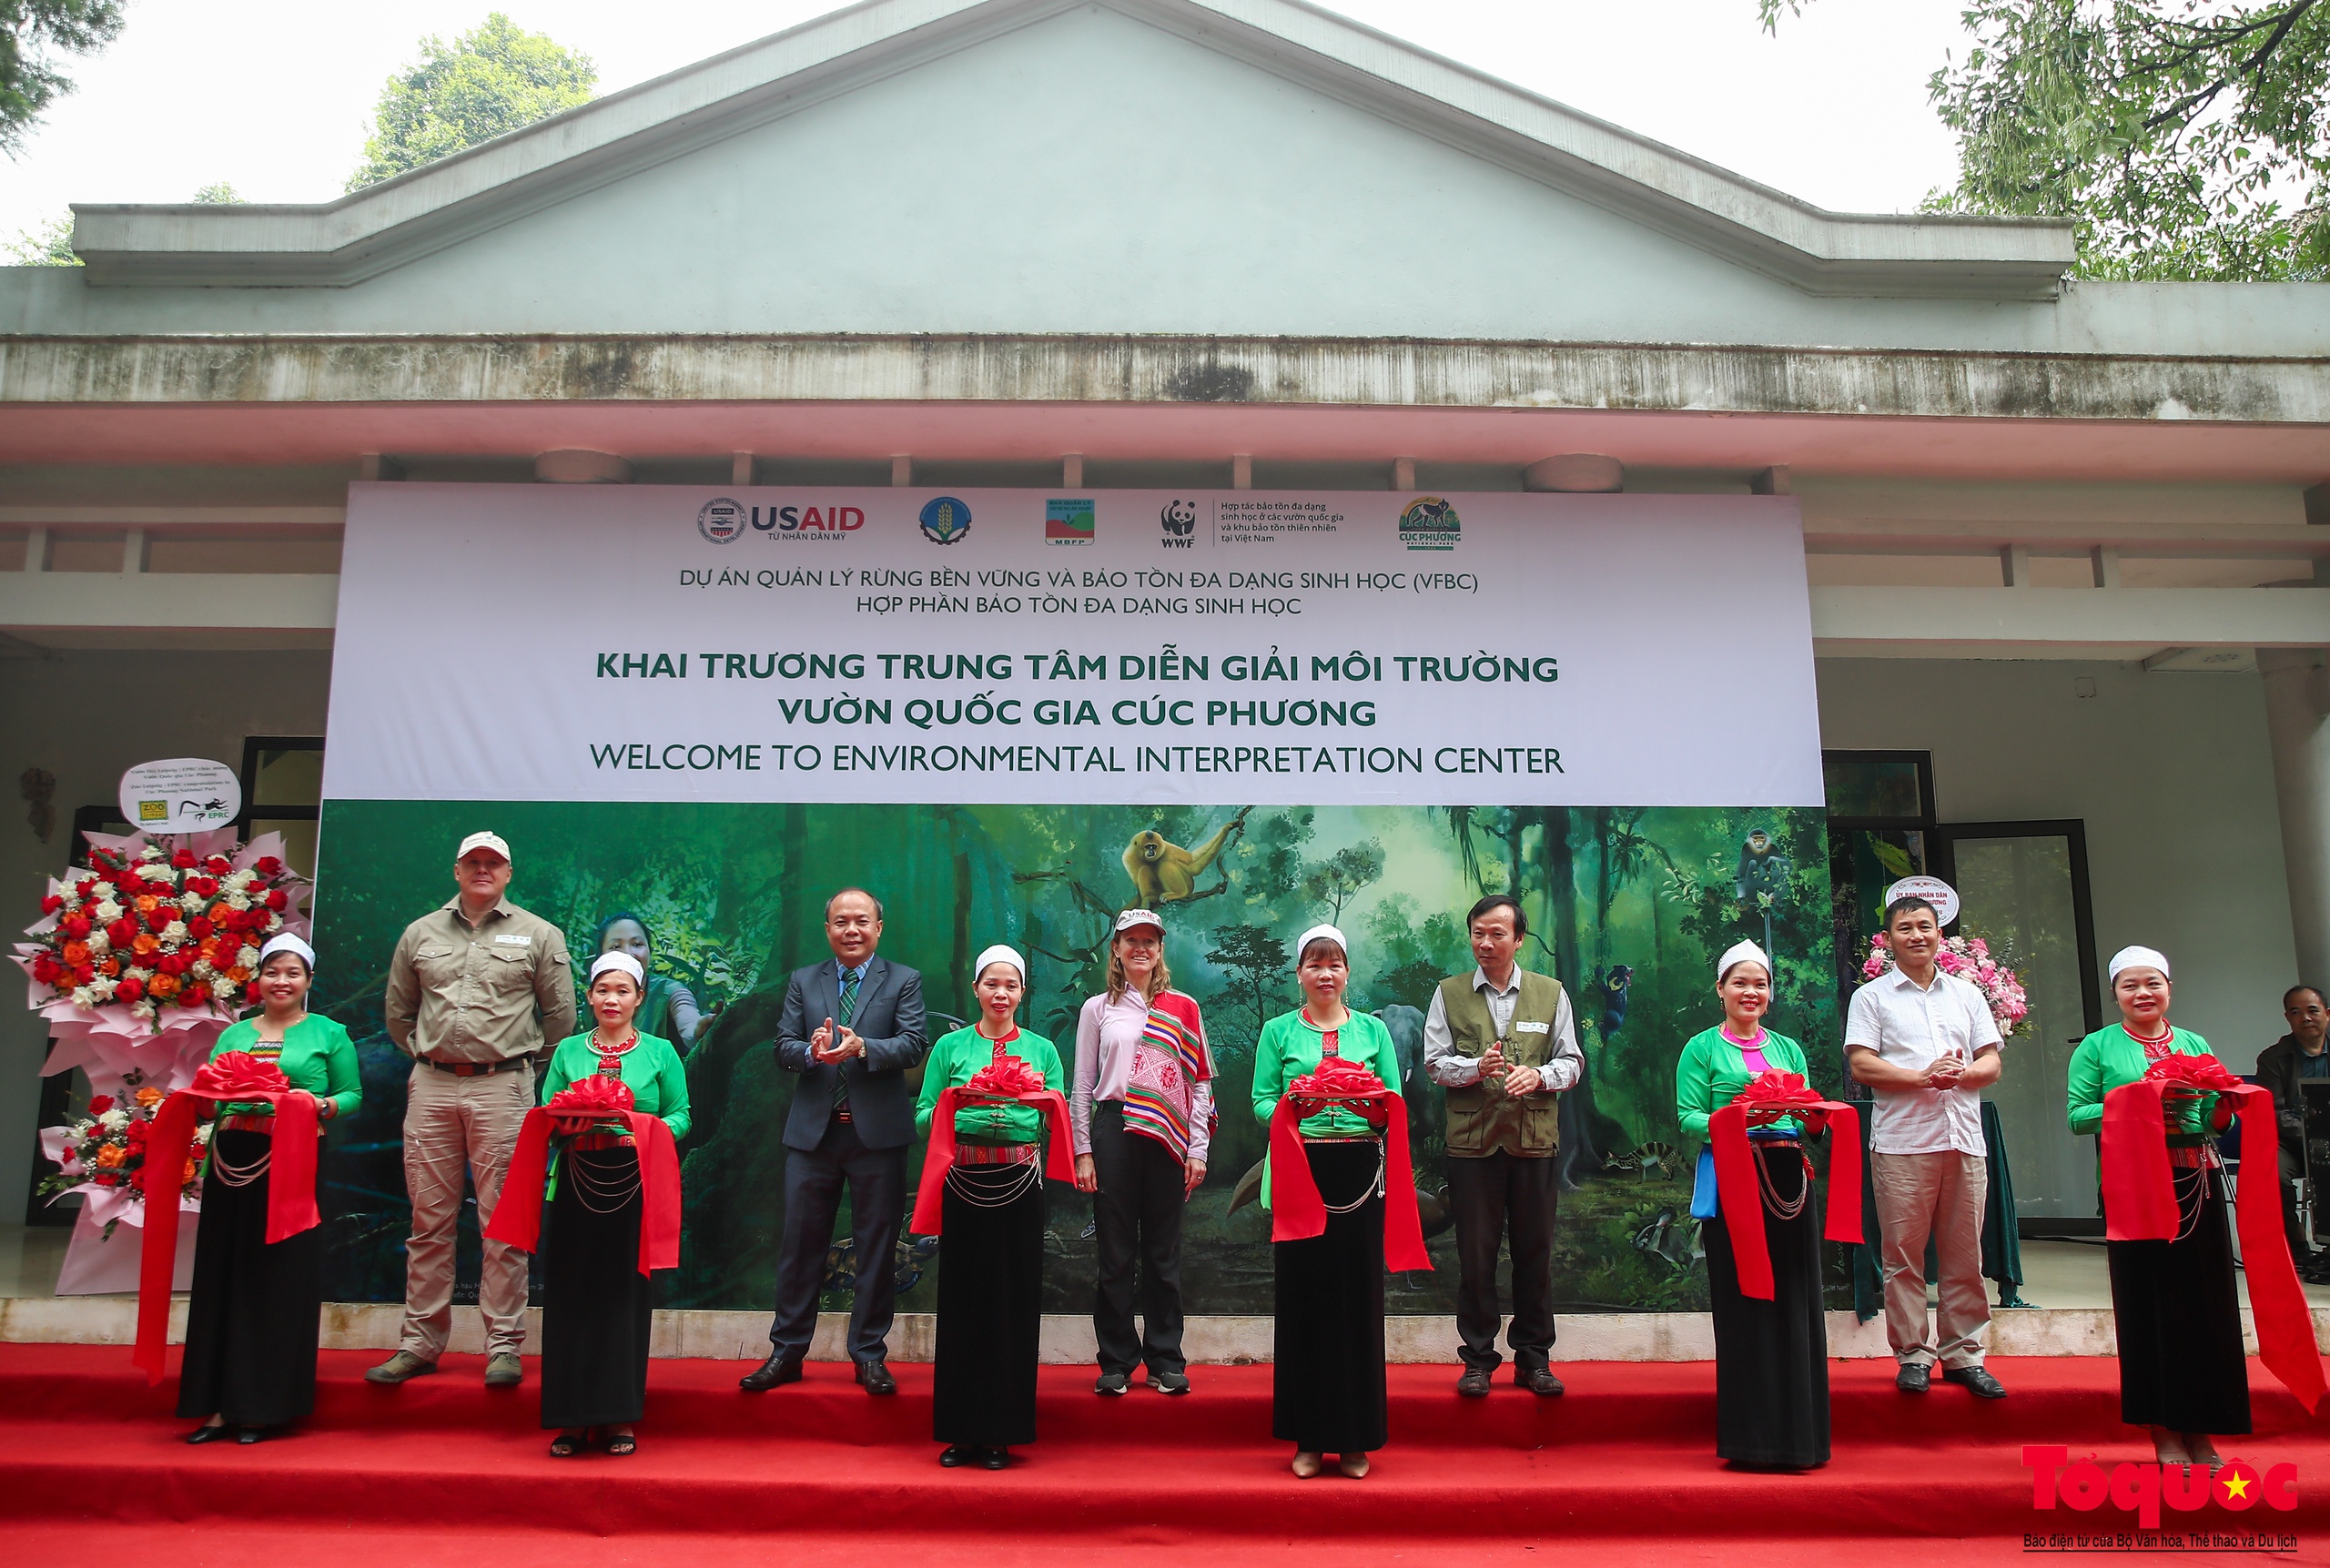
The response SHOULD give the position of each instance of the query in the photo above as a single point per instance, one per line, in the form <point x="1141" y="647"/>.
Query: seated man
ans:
<point x="2302" y="1053"/>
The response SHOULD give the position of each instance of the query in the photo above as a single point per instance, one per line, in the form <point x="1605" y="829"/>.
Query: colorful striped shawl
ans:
<point x="1157" y="1104"/>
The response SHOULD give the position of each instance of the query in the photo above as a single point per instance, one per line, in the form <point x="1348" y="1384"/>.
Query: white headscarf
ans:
<point x="622" y="961"/>
<point x="2138" y="958"/>
<point x="1322" y="933"/>
<point x="1002" y="953"/>
<point x="283" y="942"/>
<point x="1740" y="952"/>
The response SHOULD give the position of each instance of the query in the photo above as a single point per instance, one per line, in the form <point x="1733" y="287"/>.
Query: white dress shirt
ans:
<point x="1911" y="1027"/>
<point x="1564" y="1065"/>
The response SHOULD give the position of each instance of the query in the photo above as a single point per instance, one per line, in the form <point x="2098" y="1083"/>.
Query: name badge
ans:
<point x="1527" y="1028"/>
<point x="515" y="941"/>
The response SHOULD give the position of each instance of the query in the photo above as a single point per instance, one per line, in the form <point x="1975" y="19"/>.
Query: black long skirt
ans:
<point x="1327" y="1384"/>
<point x="252" y="1323"/>
<point x="598" y="1308"/>
<point x="1771" y="1357"/>
<point x="2179" y="1322"/>
<point x="990" y="1306"/>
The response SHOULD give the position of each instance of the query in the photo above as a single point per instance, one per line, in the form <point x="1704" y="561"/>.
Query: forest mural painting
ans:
<point x="1628" y="907"/>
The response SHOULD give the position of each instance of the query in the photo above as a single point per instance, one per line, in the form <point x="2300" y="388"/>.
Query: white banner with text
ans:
<point x="803" y="643"/>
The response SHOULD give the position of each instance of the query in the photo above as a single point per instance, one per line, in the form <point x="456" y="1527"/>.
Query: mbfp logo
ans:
<point x="1178" y="519"/>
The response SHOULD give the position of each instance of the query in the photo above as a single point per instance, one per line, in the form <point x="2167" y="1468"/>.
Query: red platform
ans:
<point x="819" y="1472"/>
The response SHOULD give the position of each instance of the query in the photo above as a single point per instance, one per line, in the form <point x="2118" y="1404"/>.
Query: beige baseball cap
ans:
<point x="1133" y="917"/>
<point x="492" y="841"/>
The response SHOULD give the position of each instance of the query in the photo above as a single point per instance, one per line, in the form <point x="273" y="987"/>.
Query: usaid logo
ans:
<point x="722" y="520"/>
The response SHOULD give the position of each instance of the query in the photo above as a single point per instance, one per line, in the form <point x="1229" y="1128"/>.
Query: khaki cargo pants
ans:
<point x="457" y="1127"/>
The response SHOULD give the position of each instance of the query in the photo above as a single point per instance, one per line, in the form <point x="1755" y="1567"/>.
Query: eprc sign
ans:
<point x="1295" y="648"/>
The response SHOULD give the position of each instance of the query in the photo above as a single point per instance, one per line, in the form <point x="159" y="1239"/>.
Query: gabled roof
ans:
<point x="384" y="226"/>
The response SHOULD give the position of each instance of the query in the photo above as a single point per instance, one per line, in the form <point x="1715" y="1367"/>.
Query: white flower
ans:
<point x="222" y="989"/>
<point x="85" y="997"/>
<point x="150" y="851"/>
<point x="238" y="901"/>
<point x="274" y="924"/>
<point x="100" y="943"/>
<point x="203" y="969"/>
<point x="101" y="891"/>
<point x="202" y="1132"/>
<point x="146" y="1010"/>
<point x="194" y="903"/>
<point x="241" y="880"/>
<point x="153" y="871"/>
<point x="114" y="1120"/>
<point x="105" y="985"/>
<point x="174" y="932"/>
<point x="138" y="972"/>
<point x="108" y="911"/>
<point x="248" y="958"/>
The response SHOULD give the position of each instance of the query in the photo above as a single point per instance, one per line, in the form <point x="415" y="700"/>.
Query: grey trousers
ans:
<point x="1940" y="1196"/>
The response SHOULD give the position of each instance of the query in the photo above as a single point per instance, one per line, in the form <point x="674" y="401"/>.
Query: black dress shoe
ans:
<point x="203" y="1434"/>
<point x="1976" y="1380"/>
<point x="252" y="1434"/>
<point x="994" y="1458"/>
<point x="876" y="1378"/>
<point x="778" y="1369"/>
<point x="1539" y="1381"/>
<point x="959" y="1454"/>
<point x="1914" y="1377"/>
<point x="1474" y="1384"/>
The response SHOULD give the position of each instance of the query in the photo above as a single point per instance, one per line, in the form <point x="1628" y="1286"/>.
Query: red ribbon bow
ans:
<point x="1775" y="1095"/>
<point x="2140" y="1202"/>
<point x="582" y="1104"/>
<point x="1297" y="1211"/>
<point x="1005" y="1080"/>
<point x="232" y="1077"/>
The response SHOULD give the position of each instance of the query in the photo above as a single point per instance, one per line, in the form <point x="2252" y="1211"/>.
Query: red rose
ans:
<point x="195" y="996"/>
<point x="130" y="990"/>
<point x="122" y="932"/>
<point x="84" y="973"/>
<point x="251" y="991"/>
<point x="198" y="927"/>
<point x="136" y="1134"/>
<point x="184" y="860"/>
<point x="100" y="1104"/>
<point x="217" y="866"/>
<point x="205" y="886"/>
<point x="75" y="926"/>
<point x="268" y="865"/>
<point x="51" y="903"/>
<point x="275" y="898"/>
<point x="45" y="969"/>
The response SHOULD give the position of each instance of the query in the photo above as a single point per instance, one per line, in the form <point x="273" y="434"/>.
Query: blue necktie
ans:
<point x="849" y="978"/>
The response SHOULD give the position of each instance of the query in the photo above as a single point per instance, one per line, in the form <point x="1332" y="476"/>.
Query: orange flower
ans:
<point x="219" y="912"/>
<point x="191" y="1167"/>
<point x="147" y="903"/>
<point x="76" y="952"/>
<point x="112" y="1155"/>
<point x="149" y="1096"/>
<point x="239" y="974"/>
<point x="147" y="943"/>
<point x="110" y="967"/>
<point x="162" y="985"/>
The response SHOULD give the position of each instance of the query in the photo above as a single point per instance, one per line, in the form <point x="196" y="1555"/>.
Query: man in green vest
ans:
<point x="1503" y="1044"/>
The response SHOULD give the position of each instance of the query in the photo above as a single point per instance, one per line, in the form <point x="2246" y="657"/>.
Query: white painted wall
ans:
<point x="86" y="717"/>
<point x="1091" y="174"/>
<point x="2171" y="775"/>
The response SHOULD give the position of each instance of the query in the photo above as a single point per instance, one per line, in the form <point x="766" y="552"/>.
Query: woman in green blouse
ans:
<point x="2175" y="1307"/>
<point x="991" y="1255"/>
<point x="597" y="1308"/>
<point x="1771" y="1357"/>
<point x="252" y="1323"/>
<point x="1327" y="1382"/>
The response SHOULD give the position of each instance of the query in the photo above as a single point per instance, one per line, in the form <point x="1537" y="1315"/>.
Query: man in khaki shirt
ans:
<point x="465" y="989"/>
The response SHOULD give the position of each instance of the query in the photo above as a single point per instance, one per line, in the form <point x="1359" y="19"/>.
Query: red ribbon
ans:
<point x="1297" y="1211"/>
<point x="1775" y="1095"/>
<point x="587" y="1102"/>
<point x="2140" y="1203"/>
<point x="1005" y="1080"/>
<point x="232" y="1077"/>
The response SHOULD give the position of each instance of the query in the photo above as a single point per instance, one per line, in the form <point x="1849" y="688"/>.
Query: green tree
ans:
<point x="49" y="245"/>
<point x="219" y="195"/>
<point x="32" y="34"/>
<point x="1257" y="962"/>
<point x="2185" y="138"/>
<point x="486" y="84"/>
<point x="1332" y="883"/>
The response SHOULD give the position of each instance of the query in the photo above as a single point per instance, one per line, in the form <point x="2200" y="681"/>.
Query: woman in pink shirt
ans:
<point x="1141" y="1114"/>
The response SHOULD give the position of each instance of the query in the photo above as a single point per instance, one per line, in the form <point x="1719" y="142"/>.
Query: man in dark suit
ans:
<point x="851" y="1027"/>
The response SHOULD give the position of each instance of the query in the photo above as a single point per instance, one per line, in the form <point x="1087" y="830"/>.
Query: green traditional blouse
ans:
<point x="317" y="1056"/>
<point x="1713" y="1071"/>
<point x="1290" y="1047"/>
<point x="651" y="1070"/>
<point x="2109" y="1057"/>
<point x="957" y="1058"/>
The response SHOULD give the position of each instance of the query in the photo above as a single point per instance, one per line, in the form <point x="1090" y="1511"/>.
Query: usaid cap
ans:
<point x="1133" y="917"/>
<point x="492" y="841"/>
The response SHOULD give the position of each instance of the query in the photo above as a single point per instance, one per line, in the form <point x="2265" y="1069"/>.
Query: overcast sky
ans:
<point x="275" y="96"/>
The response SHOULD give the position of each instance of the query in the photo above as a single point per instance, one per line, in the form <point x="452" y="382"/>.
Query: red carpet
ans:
<point x="1624" y="1464"/>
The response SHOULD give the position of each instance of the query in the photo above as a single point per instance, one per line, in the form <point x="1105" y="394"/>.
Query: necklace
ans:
<point x="230" y="1175"/>
<point x="599" y="1189"/>
<point x="995" y="1186"/>
<point x="1748" y="1044"/>
<point x="611" y="1056"/>
<point x="1784" y="1210"/>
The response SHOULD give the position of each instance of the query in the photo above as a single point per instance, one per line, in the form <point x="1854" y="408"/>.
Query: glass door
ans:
<point x="2022" y="888"/>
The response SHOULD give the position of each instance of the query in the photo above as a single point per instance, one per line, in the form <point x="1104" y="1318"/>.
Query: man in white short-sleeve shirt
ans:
<point x="1926" y="1044"/>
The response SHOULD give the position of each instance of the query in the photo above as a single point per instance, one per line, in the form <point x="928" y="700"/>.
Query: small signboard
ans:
<point x="1933" y="890"/>
<point x="180" y="794"/>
